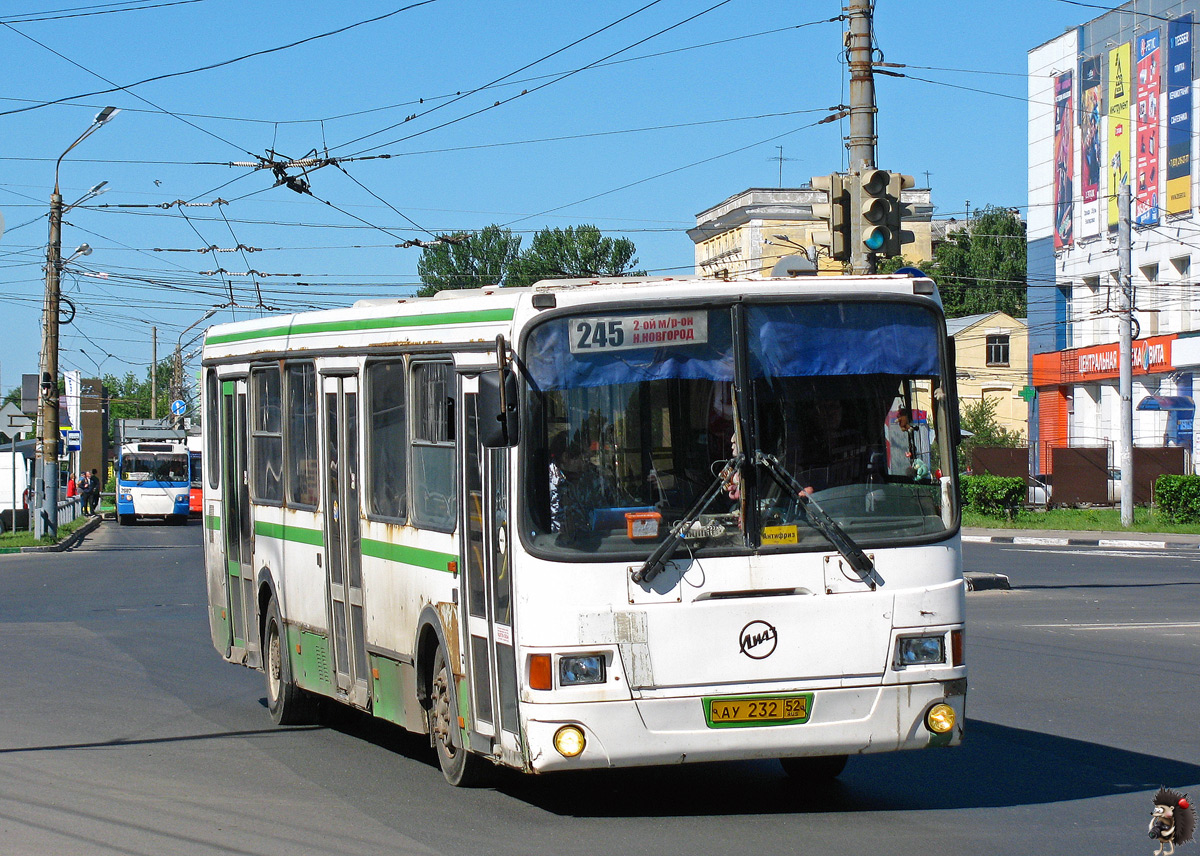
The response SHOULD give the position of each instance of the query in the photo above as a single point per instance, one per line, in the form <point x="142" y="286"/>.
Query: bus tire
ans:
<point x="460" y="767"/>
<point x="814" y="770"/>
<point x="287" y="703"/>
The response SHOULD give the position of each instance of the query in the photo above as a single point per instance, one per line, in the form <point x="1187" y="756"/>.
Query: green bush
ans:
<point x="995" y="496"/>
<point x="1178" y="498"/>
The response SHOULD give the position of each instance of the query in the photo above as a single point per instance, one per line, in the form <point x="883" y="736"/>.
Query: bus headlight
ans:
<point x="919" y="651"/>
<point x="581" y="669"/>
<point x="569" y="741"/>
<point x="940" y="718"/>
<point x="127" y="497"/>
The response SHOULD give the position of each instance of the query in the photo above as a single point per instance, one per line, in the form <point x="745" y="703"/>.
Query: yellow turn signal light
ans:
<point x="940" y="719"/>
<point x="569" y="741"/>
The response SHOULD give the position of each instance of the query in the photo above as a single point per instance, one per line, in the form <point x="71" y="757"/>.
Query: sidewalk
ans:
<point x="1050" y="538"/>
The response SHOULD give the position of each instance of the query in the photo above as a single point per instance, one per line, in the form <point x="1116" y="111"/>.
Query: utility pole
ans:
<point x="1125" y="268"/>
<point x="862" y="139"/>
<point x="153" y="372"/>
<point x="47" y="521"/>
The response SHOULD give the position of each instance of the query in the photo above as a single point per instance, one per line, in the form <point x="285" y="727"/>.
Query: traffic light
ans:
<point x="836" y="215"/>
<point x="898" y="210"/>
<point x="873" y="209"/>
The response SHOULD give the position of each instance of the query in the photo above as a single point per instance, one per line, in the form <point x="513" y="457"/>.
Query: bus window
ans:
<point x="387" y="440"/>
<point x="266" y="482"/>
<point x="434" y="502"/>
<point x="302" y="452"/>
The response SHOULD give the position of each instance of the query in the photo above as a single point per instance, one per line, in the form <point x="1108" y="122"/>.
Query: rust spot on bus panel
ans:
<point x="448" y="613"/>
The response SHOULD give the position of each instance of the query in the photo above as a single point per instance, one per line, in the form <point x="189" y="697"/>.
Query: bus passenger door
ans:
<point x="343" y="553"/>
<point x="236" y="523"/>
<point x="491" y="655"/>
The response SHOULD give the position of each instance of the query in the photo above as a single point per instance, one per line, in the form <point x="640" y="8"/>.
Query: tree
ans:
<point x="129" y="396"/>
<point x="573" y="252"/>
<point x="481" y="258"/>
<point x="979" y="419"/>
<point x="980" y="268"/>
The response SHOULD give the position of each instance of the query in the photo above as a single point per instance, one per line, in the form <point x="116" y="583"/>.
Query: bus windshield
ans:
<point x="154" y="467"/>
<point x="635" y="414"/>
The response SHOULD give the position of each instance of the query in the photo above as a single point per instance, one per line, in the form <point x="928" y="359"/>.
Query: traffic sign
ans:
<point x="13" y="420"/>
<point x="178" y="407"/>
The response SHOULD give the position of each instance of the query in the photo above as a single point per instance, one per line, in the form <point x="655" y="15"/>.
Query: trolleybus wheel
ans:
<point x="814" y="770"/>
<point x="288" y="704"/>
<point x="461" y="768"/>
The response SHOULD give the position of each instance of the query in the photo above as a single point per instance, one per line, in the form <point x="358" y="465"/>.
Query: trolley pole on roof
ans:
<point x="861" y="142"/>
<point x="1125" y="269"/>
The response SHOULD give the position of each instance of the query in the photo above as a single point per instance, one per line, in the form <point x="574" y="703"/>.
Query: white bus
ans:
<point x="153" y="479"/>
<point x="597" y="523"/>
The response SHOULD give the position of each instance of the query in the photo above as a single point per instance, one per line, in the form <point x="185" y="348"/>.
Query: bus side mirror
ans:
<point x="498" y="414"/>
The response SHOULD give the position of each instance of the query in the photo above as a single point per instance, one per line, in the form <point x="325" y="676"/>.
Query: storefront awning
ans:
<point x="1167" y="402"/>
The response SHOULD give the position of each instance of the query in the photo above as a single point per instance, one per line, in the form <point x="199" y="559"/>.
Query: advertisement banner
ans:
<point x="1089" y="124"/>
<point x="1179" y="115"/>
<point x="1118" y="127"/>
<point x="1149" y="78"/>
<point x="1064" y="162"/>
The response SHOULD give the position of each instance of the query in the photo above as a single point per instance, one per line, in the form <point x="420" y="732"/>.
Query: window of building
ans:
<point x="997" y="349"/>
<point x="303" y="469"/>
<point x="434" y="505"/>
<point x="266" y="436"/>
<point x="387" y="440"/>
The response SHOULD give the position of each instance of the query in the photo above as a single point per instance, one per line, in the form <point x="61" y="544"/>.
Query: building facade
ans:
<point x="1112" y="102"/>
<point x="991" y="357"/>
<point x="748" y="233"/>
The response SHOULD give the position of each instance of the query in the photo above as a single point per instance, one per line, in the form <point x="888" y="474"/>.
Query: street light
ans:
<point x="178" y="372"/>
<point x="47" y="521"/>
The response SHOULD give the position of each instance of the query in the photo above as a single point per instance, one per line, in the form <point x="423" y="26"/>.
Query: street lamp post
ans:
<point x="47" y="521"/>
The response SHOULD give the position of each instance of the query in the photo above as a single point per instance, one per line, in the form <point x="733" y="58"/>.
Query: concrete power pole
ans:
<point x="1125" y="268"/>
<point x="153" y="372"/>
<point x="861" y="142"/>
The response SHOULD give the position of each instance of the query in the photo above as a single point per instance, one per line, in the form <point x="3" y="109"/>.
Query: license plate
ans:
<point x="742" y="711"/>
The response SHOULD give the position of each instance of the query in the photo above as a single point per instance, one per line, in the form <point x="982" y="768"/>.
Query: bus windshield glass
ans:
<point x="634" y="415"/>
<point x="154" y="467"/>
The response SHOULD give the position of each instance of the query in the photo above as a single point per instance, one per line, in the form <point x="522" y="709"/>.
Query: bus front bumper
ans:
<point x="842" y="721"/>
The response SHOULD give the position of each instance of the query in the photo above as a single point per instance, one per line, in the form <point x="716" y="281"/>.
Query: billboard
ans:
<point x="1149" y="78"/>
<point x="1179" y="115"/>
<point x="1118" y="127"/>
<point x="1089" y="125"/>
<point x="1064" y="162"/>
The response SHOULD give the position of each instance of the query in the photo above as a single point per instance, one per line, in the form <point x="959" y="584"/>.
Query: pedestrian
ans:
<point x="72" y="488"/>
<point x="93" y="491"/>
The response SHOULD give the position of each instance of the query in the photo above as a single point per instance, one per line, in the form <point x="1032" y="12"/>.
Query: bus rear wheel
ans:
<point x="287" y="703"/>
<point x="460" y="768"/>
<point x="814" y="770"/>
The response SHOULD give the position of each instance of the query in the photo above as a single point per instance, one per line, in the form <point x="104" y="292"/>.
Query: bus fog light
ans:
<point x="183" y="497"/>
<point x="569" y="741"/>
<point x="127" y="497"/>
<point x="920" y="651"/>
<point x="940" y="719"/>
<point x="585" y="669"/>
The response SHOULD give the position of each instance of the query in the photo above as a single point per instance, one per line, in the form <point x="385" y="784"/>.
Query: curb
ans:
<point x="70" y="541"/>
<point x="977" y="581"/>
<point x="1122" y="543"/>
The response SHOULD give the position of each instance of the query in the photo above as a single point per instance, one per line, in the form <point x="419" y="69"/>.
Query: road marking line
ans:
<point x="1145" y="625"/>
<point x="1134" y="544"/>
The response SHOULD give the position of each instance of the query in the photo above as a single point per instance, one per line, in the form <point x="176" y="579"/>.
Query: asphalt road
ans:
<point x="121" y="731"/>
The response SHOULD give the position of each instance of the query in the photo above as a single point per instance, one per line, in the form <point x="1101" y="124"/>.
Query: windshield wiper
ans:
<point x="820" y="519"/>
<point x="657" y="561"/>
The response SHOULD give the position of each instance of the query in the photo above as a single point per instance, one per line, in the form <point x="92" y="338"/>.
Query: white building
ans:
<point x="1113" y="101"/>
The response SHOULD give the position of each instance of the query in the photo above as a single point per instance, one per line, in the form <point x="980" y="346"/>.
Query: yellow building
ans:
<point x="748" y="233"/>
<point x="992" y="357"/>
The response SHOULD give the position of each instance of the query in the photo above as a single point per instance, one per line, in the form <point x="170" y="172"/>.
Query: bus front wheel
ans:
<point x="288" y="704"/>
<point x="460" y="767"/>
<point x="814" y="770"/>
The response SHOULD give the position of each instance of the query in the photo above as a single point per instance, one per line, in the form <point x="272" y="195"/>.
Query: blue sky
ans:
<point x="633" y="127"/>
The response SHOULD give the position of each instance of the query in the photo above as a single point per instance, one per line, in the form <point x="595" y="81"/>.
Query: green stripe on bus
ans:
<point x="361" y="324"/>
<point x="233" y="568"/>
<point x="227" y="387"/>
<point x="289" y="533"/>
<point x="408" y="555"/>
<point x="212" y="521"/>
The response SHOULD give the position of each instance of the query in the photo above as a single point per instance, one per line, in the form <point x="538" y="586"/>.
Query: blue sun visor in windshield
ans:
<point x="817" y="339"/>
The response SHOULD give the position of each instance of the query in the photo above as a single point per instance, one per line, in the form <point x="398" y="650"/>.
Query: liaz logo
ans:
<point x="758" y="640"/>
